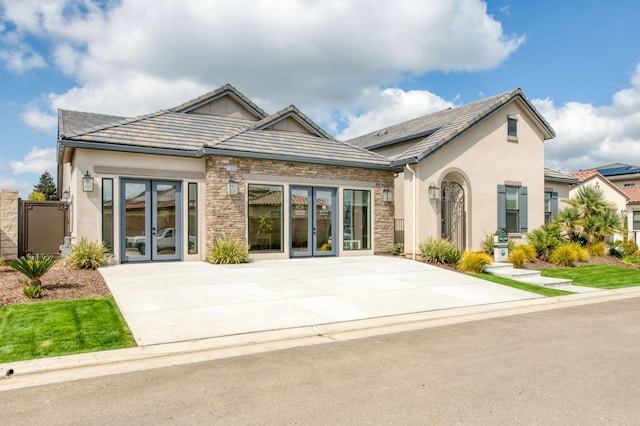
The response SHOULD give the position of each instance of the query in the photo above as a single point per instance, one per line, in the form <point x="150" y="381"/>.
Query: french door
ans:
<point x="151" y="220"/>
<point x="313" y="220"/>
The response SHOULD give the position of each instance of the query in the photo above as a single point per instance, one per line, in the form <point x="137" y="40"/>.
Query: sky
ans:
<point x="352" y="66"/>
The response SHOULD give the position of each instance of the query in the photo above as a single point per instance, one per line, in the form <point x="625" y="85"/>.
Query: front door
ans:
<point x="453" y="214"/>
<point x="151" y="220"/>
<point x="313" y="219"/>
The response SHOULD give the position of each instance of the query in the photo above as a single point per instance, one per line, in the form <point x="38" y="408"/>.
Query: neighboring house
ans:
<point x="620" y="174"/>
<point x="613" y="194"/>
<point x="467" y="171"/>
<point x="164" y="186"/>
<point x="557" y="186"/>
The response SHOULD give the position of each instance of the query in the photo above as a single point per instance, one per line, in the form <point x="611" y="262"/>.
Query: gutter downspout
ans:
<point x="414" y="209"/>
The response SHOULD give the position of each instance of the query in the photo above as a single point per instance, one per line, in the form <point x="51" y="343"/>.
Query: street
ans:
<point x="577" y="365"/>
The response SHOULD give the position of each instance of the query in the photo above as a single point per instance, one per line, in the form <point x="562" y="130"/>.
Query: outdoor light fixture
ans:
<point x="87" y="182"/>
<point x="387" y="195"/>
<point x="65" y="195"/>
<point x="232" y="187"/>
<point x="434" y="192"/>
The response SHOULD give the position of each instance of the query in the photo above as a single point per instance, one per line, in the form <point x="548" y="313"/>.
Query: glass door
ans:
<point x="151" y="220"/>
<point x="312" y="221"/>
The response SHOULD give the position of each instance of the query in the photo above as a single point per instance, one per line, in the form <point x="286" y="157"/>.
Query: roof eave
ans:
<point x="67" y="143"/>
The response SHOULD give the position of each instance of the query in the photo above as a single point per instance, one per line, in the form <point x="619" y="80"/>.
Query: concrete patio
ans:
<point x="180" y="301"/>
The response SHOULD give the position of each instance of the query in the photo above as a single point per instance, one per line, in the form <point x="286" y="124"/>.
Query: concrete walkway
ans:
<point x="180" y="301"/>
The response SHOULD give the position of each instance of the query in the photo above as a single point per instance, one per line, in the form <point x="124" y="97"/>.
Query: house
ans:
<point x="467" y="171"/>
<point x="557" y="187"/>
<point x="164" y="186"/>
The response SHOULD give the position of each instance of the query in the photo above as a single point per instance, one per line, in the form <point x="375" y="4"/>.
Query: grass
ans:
<point x="46" y="329"/>
<point x="543" y="291"/>
<point x="606" y="277"/>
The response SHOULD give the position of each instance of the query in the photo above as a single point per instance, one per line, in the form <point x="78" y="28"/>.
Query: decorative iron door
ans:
<point x="453" y="214"/>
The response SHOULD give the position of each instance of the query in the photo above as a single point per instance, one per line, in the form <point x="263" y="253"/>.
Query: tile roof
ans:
<point x="583" y="175"/>
<point x="557" y="176"/>
<point x="227" y="89"/>
<point x="73" y="121"/>
<point x="437" y="129"/>
<point x="632" y="193"/>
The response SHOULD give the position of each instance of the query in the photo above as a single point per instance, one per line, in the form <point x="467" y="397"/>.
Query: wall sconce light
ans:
<point x="66" y="194"/>
<point x="87" y="182"/>
<point x="387" y="195"/>
<point x="434" y="192"/>
<point x="232" y="187"/>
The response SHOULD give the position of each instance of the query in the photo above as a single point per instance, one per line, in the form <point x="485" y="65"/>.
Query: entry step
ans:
<point x="528" y="276"/>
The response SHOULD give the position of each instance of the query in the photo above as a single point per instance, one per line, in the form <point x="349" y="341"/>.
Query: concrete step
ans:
<point x="506" y="270"/>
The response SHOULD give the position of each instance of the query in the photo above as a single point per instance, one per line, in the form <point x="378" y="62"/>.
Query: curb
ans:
<point x="42" y="371"/>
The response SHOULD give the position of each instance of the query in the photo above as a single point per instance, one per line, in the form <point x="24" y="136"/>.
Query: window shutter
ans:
<point x="502" y="207"/>
<point x="554" y="204"/>
<point x="523" y="210"/>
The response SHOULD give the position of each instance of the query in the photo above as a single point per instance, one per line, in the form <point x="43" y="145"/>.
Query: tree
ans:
<point x="46" y="187"/>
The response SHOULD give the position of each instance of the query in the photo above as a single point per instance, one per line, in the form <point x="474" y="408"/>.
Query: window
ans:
<point x="547" y="208"/>
<point x="512" y="208"/>
<point x="513" y="211"/>
<point x="107" y="213"/>
<point x="636" y="221"/>
<point x="192" y="218"/>
<point x="357" y="220"/>
<point x="512" y="127"/>
<point x="626" y="185"/>
<point x="265" y="218"/>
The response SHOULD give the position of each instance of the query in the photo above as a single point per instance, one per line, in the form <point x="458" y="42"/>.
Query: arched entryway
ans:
<point x="453" y="214"/>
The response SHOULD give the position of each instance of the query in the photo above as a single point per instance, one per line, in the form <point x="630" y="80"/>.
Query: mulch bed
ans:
<point x="59" y="283"/>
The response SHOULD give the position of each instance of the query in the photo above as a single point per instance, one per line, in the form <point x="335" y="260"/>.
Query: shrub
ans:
<point x="518" y="256"/>
<point x="33" y="267"/>
<point x="396" y="250"/>
<point x="582" y="255"/>
<point x="87" y="255"/>
<point x="629" y="247"/>
<point x="564" y="255"/>
<point x="226" y="250"/>
<point x="597" y="249"/>
<point x="440" y="251"/>
<point x="544" y="239"/>
<point x="473" y="261"/>
<point x="529" y="251"/>
<point x="325" y="247"/>
<point x="631" y="259"/>
<point x="31" y="291"/>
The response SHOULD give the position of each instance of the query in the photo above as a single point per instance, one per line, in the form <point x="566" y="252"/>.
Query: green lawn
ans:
<point x="543" y="291"/>
<point x="46" y="329"/>
<point x="598" y="276"/>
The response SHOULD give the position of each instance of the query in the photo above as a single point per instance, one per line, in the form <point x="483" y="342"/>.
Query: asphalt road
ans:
<point x="578" y="365"/>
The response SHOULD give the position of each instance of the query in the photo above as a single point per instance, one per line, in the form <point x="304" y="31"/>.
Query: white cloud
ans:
<point x="132" y="58"/>
<point x="589" y="136"/>
<point x="38" y="120"/>
<point x="36" y="161"/>
<point x="391" y="106"/>
<point x="20" y="61"/>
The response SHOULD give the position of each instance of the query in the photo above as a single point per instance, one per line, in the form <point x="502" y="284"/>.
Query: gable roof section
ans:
<point x="551" y="175"/>
<point x="294" y="113"/>
<point x="73" y="121"/>
<point x="585" y="176"/>
<point x="632" y="193"/>
<point x="226" y="90"/>
<point x="440" y="128"/>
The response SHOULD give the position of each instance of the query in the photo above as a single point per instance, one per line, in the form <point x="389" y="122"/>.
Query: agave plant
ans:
<point x="33" y="267"/>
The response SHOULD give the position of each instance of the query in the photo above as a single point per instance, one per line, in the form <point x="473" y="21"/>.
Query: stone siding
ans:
<point x="226" y="214"/>
<point x="9" y="223"/>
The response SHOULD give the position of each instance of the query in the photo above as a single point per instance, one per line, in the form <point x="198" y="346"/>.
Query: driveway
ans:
<point x="179" y="301"/>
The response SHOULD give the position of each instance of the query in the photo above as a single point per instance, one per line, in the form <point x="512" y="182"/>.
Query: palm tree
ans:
<point x="589" y="201"/>
<point x="569" y="222"/>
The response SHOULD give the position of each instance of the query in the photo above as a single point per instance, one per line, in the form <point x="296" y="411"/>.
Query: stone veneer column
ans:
<point x="9" y="223"/>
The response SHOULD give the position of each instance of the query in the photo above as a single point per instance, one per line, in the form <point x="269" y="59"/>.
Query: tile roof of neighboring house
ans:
<point x="583" y="175"/>
<point x="632" y="193"/>
<point x="557" y="176"/>
<point x="437" y="129"/>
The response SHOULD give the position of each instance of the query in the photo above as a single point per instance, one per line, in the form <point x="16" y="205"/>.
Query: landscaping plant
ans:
<point x="544" y="240"/>
<point x="597" y="249"/>
<point x="226" y="250"/>
<point x="436" y="250"/>
<point x="517" y="257"/>
<point x="33" y="267"/>
<point x="396" y="250"/>
<point x="567" y="254"/>
<point x="474" y="261"/>
<point x="87" y="255"/>
<point x="487" y="244"/>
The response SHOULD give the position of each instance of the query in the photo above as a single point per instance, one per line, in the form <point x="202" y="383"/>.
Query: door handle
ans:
<point x="153" y="230"/>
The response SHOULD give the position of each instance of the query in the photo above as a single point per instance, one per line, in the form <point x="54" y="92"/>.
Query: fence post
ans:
<point x="9" y="223"/>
